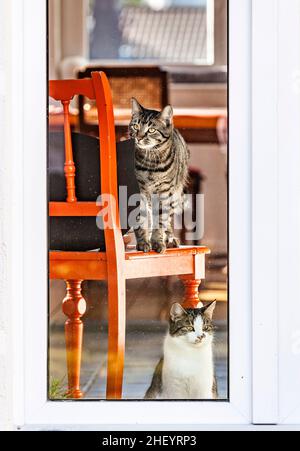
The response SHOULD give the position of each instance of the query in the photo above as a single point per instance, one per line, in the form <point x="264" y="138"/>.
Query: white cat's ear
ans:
<point x="209" y="309"/>
<point x="167" y="115"/>
<point x="136" y="106"/>
<point x="177" y="312"/>
<point x="200" y="305"/>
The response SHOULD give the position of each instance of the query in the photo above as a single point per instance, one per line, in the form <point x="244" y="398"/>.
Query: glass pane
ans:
<point x="173" y="31"/>
<point x="176" y="341"/>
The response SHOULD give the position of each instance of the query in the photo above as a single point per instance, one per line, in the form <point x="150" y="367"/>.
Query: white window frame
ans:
<point x="254" y="366"/>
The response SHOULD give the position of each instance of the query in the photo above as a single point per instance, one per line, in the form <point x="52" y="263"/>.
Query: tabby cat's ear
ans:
<point x="177" y="312"/>
<point x="136" y="106"/>
<point x="167" y="115"/>
<point x="209" y="309"/>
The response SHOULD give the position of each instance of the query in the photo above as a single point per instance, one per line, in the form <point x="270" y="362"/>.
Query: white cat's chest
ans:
<point x="188" y="372"/>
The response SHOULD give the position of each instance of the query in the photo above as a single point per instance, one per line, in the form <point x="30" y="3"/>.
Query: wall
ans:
<point x="220" y="32"/>
<point x="68" y="43"/>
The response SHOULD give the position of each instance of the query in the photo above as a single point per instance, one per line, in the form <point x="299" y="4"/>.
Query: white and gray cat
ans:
<point x="186" y="370"/>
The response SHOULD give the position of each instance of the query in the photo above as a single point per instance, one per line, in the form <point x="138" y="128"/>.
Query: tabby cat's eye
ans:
<point x="136" y="126"/>
<point x="152" y="130"/>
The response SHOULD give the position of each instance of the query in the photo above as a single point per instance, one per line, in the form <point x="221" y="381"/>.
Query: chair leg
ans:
<point x="116" y="339"/>
<point x="191" y="296"/>
<point x="74" y="307"/>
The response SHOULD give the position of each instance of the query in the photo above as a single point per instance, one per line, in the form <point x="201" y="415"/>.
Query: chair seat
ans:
<point x="132" y="253"/>
<point x="179" y="261"/>
<point x="92" y="265"/>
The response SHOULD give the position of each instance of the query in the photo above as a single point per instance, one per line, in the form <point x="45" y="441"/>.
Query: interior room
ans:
<point x="160" y="52"/>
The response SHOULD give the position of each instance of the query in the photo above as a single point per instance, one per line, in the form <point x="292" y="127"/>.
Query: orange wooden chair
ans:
<point x="115" y="264"/>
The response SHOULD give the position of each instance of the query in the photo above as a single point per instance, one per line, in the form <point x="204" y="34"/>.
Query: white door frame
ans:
<point x="252" y="360"/>
<point x="265" y="210"/>
<point x="276" y="211"/>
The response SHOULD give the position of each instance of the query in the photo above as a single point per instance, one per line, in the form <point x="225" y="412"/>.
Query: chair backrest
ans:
<point x="149" y="84"/>
<point x="95" y="88"/>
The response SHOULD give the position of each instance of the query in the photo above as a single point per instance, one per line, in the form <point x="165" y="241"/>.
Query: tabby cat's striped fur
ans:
<point x="162" y="171"/>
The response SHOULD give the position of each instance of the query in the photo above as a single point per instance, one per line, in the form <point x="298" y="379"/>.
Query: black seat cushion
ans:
<point x="82" y="233"/>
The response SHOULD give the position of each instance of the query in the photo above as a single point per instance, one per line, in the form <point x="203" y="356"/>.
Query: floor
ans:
<point x="143" y="350"/>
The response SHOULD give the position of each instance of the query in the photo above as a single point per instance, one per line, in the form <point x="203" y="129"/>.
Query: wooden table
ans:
<point x="197" y="125"/>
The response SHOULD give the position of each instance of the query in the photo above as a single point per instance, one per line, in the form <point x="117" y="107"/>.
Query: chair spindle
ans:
<point x="70" y="169"/>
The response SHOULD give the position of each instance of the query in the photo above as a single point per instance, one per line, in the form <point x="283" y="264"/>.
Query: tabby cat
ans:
<point x="161" y="156"/>
<point x="186" y="370"/>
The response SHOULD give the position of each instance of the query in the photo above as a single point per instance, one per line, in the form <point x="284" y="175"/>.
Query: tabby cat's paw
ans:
<point x="172" y="242"/>
<point x="144" y="246"/>
<point x="159" y="247"/>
